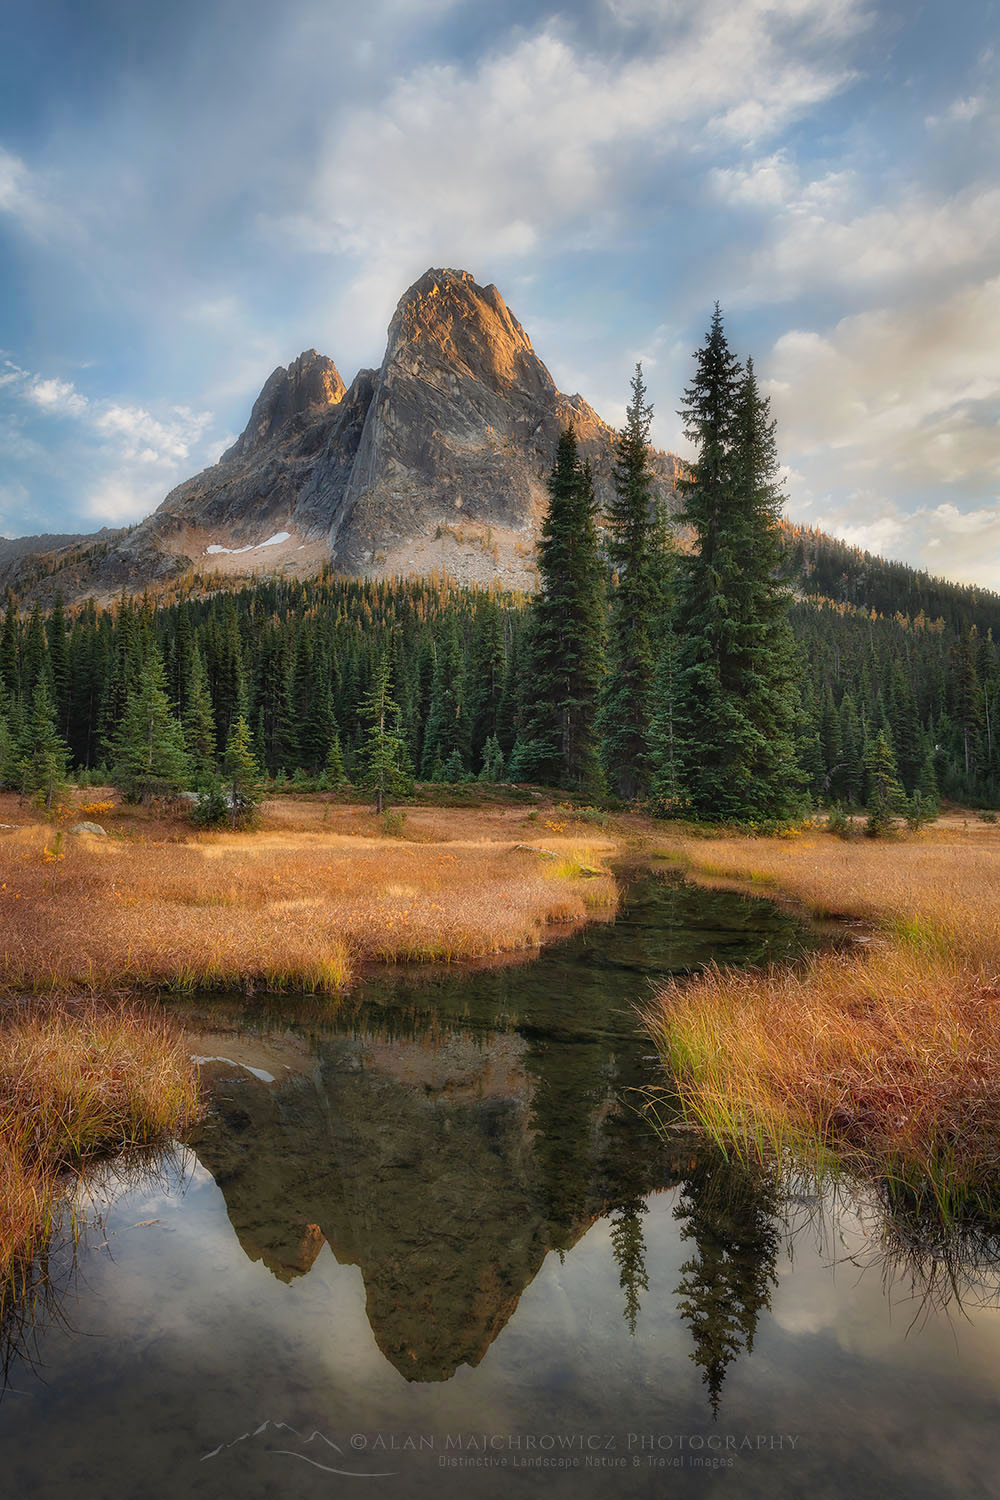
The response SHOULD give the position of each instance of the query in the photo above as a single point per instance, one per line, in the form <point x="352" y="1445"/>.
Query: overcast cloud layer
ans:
<point x="190" y="195"/>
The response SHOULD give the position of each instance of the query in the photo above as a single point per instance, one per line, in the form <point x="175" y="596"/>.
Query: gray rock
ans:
<point x="94" y="828"/>
<point x="441" y="454"/>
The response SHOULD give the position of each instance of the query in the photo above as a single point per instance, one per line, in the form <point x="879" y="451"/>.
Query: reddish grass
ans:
<point x="78" y="1081"/>
<point x="884" y="1057"/>
<point x="297" y="907"/>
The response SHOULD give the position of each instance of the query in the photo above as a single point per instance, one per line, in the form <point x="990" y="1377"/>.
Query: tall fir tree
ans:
<point x="243" y="790"/>
<point x="635" y="548"/>
<point x="384" y="763"/>
<point x="151" y="760"/>
<point x="738" y="701"/>
<point x="44" y="754"/>
<point x="558" y="743"/>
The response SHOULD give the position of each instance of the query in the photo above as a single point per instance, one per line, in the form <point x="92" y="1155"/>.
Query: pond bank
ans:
<point x="884" y="1059"/>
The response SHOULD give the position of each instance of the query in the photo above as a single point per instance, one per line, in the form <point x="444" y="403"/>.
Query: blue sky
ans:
<point x="192" y="194"/>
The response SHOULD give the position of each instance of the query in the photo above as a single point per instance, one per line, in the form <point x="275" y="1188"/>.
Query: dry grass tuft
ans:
<point x="885" y="1058"/>
<point x="283" y="908"/>
<point x="77" y="1082"/>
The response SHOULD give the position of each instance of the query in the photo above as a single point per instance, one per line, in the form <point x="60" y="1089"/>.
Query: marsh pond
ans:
<point x="431" y="1243"/>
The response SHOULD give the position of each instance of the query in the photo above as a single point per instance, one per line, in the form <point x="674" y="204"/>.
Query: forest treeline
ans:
<point x="690" y="680"/>
<point x="299" y="658"/>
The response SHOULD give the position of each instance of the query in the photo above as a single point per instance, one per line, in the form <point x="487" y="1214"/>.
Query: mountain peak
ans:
<point x="446" y="315"/>
<point x="291" y="397"/>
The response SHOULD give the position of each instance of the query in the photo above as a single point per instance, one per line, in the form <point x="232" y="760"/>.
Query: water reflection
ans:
<point x="444" y="1135"/>
<point x="374" y="1195"/>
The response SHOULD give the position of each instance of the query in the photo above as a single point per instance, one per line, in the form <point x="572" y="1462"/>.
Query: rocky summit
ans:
<point x="435" y="462"/>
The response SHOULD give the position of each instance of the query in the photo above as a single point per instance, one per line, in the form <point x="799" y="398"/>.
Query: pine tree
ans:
<point x="58" y="654"/>
<point x="728" y="1211"/>
<point x="384" y="767"/>
<point x="10" y="649"/>
<point x="558" y="742"/>
<point x="243" y="789"/>
<point x="628" y="1245"/>
<point x="447" y="731"/>
<point x="635" y="548"/>
<point x="150" y="759"/>
<point x="738" y="698"/>
<point x="489" y="662"/>
<point x="198" y="721"/>
<point x="885" y="795"/>
<point x="43" y="753"/>
<point x="492" y="771"/>
<point x="334" y="769"/>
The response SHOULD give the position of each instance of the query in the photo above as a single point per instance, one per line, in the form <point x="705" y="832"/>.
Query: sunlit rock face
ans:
<point x="436" y="462"/>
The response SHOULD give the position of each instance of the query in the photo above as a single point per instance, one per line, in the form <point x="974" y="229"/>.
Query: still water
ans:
<point x="432" y="1246"/>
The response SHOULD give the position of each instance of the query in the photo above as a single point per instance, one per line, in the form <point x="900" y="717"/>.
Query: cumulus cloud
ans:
<point x="896" y="404"/>
<point x="891" y="385"/>
<point x="528" y="145"/>
<point x="57" y="396"/>
<point x="138" y="454"/>
<point x="147" y="439"/>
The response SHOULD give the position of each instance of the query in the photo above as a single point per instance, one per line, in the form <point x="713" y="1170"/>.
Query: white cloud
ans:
<point x="147" y="439"/>
<point x="535" y="143"/>
<point x="912" y="389"/>
<point x="960" y="112"/>
<point x="769" y="183"/>
<point x="27" y="199"/>
<point x="814" y="244"/>
<point x="886" y="408"/>
<point x="57" y="396"/>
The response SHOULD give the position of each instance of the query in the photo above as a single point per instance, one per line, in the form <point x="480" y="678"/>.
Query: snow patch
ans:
<point x="272" y="541"/>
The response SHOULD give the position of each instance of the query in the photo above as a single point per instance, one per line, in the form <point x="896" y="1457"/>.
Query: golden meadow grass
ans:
<point x="78" y="1081"/>
<point x="287" y="907"/>
<point x="883" y="1058"/>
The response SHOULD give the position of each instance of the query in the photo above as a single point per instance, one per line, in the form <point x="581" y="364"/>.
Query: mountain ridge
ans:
<point x="436" y="462"/>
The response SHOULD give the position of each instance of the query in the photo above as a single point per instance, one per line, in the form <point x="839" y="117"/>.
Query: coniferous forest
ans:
<point x="721" y="665"/>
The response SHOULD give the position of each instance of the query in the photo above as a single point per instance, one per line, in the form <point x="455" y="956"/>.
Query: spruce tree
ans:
<point x="384" y="763"/>
<point x="558" y="743"/>
<point x="10" y="649"/>
<point x="44" y="754"/>
<point x="635" y="549"/>
<point x="447" y="732"/>
<point x="150" y="757"/>
<point x="243" y="790"/>
<point x="738" y="694"/>
<point x="886" y="798"/>
<point x="198" y="720"/>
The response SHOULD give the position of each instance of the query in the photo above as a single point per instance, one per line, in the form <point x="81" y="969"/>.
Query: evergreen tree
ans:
<point x="489" y="661"/>
<point x="198" y="720"/>
<point x="447" y="732"/>
<point x="737" y="700"/>
<point x="43" y="753"/>
<point x="10" y="649"/>
<point x="850" y="783"/>
<point x="384" y="767"/>
<point x="58" y="655"/>
<point x="885" y="795"/>
<point x="334" y="769"/>
<point x="150" y="759"/>
<point x="635" y="549"/>
<point x="728" y="1210"/>
<point x="558" y="740"/>
<point x="628" y="1245"/>
<point x="34" y="655"/>
<point x="492" y="771"/>
<point x="243" y="789"/>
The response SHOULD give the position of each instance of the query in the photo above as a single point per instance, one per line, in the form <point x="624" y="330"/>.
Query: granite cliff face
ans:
<point x="436" y="461"/>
